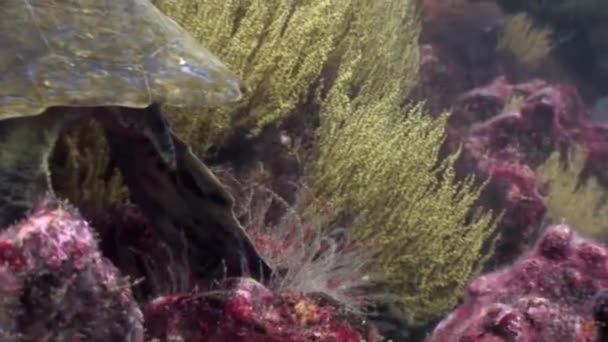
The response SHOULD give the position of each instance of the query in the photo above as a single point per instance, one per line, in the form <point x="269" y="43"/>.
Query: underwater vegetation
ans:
<point x="284" y="50"/>
<point x="386" y="169"/>
<point x="366" y="140"/>
<point x="357" y="89"/>
<point x="529" y="44"/>
<point x="581" y="206"/>
<point x="514" y="129"/>
<point x="388" y="174"/>
<point x="82" y="172"/>
<point x="312" y="258"/>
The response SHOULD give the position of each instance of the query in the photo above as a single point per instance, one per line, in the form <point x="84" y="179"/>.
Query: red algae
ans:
<point x="505" y="143"/>
<point x="555" y="292"/>
<point x="56" y="285"/>
<point x="244" y="310"/>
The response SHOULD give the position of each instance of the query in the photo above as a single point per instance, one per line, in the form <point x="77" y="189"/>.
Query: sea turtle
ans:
<point x="187" y="203"/>
<point x="62" y="60"/>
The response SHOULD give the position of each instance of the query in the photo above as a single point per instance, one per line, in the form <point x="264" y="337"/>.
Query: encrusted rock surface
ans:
<point x="56" y="286"/>
<point x="556" y="292"/>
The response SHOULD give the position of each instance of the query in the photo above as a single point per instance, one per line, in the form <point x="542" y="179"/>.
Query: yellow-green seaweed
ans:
<point x="581" y="207"/>
<point x="79" y="168"/>
<point x="280" y="48"/>
<point x="377" y="159"/>
<point x="372" y="154"/>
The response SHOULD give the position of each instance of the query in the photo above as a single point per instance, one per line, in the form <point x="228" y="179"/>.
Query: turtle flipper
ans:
<point x="191" y="200"/>
<point x="199" y="186"/>
<point x="149" y="123"/>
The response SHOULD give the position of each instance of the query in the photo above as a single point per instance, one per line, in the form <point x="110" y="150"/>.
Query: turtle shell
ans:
<point x="103" y="53"/>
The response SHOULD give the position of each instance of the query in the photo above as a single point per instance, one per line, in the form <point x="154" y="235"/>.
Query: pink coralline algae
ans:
<point x="556" y="292"/>
<point x="595" y="139"/>
<point x="551" y="117"/>
<point x="178" y="306"/>
<point x="506" y="143"/>
<point x="56" y="286"/>
<point x="131" y="243"/>
<point x="244" y="310"/>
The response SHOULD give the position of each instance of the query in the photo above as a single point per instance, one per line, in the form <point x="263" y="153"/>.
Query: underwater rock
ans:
<point x="56" y="286"/>
<point x="130" y="242"/>
<point x="595" y="140"/>
<point x="535" y="118"/>
<point x="244" y="310"/>
<point x="556" y="292"/>
<point x="442" y="79"/>
<point x="514" y="190"/>
<point x="179" y="306"/>
<point x="508" y="130"/>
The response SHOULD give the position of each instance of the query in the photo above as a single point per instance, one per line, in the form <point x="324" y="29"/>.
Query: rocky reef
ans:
<point x="539" y="283"/>
<point x="507" y="144"/>
<point x="57" y="286"/>
<point x="246" y="310"/>
<point x="555" y="292"/>
<point x="424" y="225"/>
